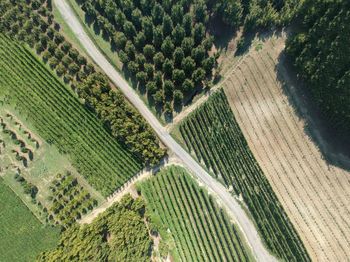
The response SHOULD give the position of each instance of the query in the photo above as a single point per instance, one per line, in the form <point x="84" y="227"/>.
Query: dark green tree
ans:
<point x="149" y="51"/>
<point x="158" y="60"/>
<point x="168" y="67"/>
<point x="178" y="56"/>
<point x="167" y="25"/>
<point x="168" y="47"/>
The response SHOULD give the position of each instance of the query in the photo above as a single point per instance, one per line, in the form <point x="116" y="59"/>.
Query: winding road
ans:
<point x="215" y="187"/>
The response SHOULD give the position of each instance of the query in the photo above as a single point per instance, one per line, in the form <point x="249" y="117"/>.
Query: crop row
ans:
<point x="62" y="120"/>
<point x="215" y="137"/>
<point x="200" y="229"/>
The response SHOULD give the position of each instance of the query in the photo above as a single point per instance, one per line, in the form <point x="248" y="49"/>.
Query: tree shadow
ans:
<point x="178" y="107"/>
<point x="221" y="32"/>
<point x="333" y="145"/>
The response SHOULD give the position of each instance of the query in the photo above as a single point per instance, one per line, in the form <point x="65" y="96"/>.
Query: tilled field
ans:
<point x="315" y="195"/>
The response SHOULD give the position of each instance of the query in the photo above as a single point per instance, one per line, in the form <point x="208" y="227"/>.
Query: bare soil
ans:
<point x="314" y="192"/>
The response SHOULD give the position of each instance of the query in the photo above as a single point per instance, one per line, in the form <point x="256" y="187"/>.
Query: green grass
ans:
<point x="47" y="162"/>
<point x="62" y="120"/>
<point x="23" y="237"/>
<point x="200" y="229"/>
<point x="212" y="134"/>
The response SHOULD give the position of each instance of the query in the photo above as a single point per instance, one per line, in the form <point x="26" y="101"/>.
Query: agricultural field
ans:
<point x="314" y="194"/>
<point x="212" y="134"/>
<point x="84" y="176"/>
<point x="33" y="24"/>
<point x="61" y="120"/>
<point x="191" y="225"/>
<point x="29" y="166"/>
<point x="23" y="237"/>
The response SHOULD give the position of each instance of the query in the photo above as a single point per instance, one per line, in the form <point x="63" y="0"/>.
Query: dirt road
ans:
<point x="229" y="202"/>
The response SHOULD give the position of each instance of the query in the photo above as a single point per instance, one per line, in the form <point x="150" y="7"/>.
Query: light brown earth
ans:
<point x="315" y="194"/>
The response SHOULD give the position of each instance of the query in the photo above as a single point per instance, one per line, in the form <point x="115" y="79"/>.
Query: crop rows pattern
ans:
<point x="313" y="192"/>
<point x="212" y="133"/>
<point x="62" y="120"/>
<point x="201" y="230"/>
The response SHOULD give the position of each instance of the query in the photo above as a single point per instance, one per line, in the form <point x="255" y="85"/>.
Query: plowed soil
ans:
<point x="315" y="194"/>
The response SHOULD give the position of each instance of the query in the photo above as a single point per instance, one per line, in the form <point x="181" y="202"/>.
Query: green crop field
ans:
<point x="22" y="236"/>
<point x="200" y="229"/>
<point x="61" y="119"/>
<point x="213" y="135"/>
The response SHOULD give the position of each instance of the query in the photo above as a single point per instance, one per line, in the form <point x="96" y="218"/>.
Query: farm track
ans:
<point x="314" y="194"/>
<point x="226" y="199"/>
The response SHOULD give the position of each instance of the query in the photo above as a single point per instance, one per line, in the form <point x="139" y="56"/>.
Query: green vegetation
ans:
<point x="254" y="14"/>
<point x="119" y="234"/>
<point x="212" y="133"/>
<point x="61" y="120"/>
<point x="269" y="13"/>
<point x="69" y="200"/>
<point x="16" y="143"/>
<point x="183" y="211"/>
<point x="29" y="165"/>
<point x="162" y="45"/>
<point x="23" y="237"/>
<point x="320" y="52"/>
<point x="32" y="23"/>
<point x="28" y="188"/>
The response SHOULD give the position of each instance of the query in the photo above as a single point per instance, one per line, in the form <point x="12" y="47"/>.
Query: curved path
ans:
<point x="229" y="202"/>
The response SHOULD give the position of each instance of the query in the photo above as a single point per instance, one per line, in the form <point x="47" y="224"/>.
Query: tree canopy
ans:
<point x="321" y="55"/>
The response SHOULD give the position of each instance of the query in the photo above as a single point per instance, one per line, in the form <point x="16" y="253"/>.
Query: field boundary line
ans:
<point x="123" y="190"/>
<point x="17" y="195"/>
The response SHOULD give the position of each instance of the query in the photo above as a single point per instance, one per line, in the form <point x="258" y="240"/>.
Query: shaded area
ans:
<point x="334" y="145"/>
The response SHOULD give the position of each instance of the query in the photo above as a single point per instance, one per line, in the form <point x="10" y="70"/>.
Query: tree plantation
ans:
<point x="32" y="23"/>
<point x="174" y="130"/>
<point x="213" y="135"/>
<point x="163" y="45"/>
<point x="62" y="120"/>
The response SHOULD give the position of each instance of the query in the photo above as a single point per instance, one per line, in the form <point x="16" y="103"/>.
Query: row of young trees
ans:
<point x="69" y="199"/>
<point x="182" y="210"/>
<point x="216" y="139"/>
<point x="321" y="55"/>
<point x="32" y="22"/>
<point x="162" y="44"/>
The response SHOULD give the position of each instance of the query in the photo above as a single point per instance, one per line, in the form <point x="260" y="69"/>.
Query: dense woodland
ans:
<point x="253" y="14"/>
<point x="321" y="54"/>
<point x="119" y="234"/>
<point x="32" y="22"/>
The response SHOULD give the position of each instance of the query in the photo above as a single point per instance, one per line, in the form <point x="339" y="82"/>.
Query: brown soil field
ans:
<point x="314" y="193"/>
